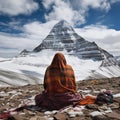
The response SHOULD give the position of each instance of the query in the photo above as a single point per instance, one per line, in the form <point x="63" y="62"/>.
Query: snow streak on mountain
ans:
<point x="63" y="37"/>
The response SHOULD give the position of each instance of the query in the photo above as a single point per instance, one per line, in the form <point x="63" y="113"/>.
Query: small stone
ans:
<point x="114" y="106"/>
<point x="13" y="113"/>
<point x="72" y="115"/>
<point x="100" y="117"/>
<point x="17" y="117"/>
<point x="50" y="118"/>
<point x="38" y="118"/>
<point x="92" y="106"/>
<point x="60" y="116"/>
<point x="117" y="100"/>
<point x="113" y="115"/>
<point x="108" y="110"/>
<point x="47" y="113"/>
<point x="4" y="108"/>
<point x="54" y="111"/>
<point x="95" y="113"/>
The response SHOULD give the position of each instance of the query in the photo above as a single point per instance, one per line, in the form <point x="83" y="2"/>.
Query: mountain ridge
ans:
<point x="63" y="36"/>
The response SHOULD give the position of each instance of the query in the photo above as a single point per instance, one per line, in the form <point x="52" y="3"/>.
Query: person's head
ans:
<point x="59" y="61"/>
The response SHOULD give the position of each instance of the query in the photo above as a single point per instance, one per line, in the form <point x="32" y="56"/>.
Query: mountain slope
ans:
<point x="30" y="69"/>
<point x="118" y="59"/>
<point x="63" y="37"/>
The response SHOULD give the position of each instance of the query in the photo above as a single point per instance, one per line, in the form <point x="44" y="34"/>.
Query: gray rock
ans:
<point x="113" y="116"/>
<point x="100" y="117"/>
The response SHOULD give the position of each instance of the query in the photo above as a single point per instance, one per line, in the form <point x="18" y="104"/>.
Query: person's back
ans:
<point x="59" y="85"/>
<point x="59" y="77"/>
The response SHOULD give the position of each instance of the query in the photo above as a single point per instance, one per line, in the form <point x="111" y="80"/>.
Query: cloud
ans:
<point x="63" y="10"/>
<point x="114" y="1"/>
<point x="9" y="41"/>
<point x="74" y="11"/>
<point x="11" y="44"/>
<point x="39" y="30"/>
<point x="95" y="4"/>
<point x="16" y="7"/>
<point x="106" y="38"/>
<point x="29" y="39"/>
<point x="9" y="26"/>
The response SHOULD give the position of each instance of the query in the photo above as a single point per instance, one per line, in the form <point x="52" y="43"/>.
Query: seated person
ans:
<point x="59" y="86"/>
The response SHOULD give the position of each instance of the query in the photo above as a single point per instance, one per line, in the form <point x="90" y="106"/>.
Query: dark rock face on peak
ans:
<point x="63" y="37"/>
<point x="24" y="52"/>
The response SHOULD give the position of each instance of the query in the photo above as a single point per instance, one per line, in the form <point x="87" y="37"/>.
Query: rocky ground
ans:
<point x="14" y="97"/>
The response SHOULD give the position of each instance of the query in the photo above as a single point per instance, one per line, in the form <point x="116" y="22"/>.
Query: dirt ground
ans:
<point x="13" y="97"/>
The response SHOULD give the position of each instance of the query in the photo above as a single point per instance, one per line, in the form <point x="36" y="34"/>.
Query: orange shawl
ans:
<point x="59" y="77"/>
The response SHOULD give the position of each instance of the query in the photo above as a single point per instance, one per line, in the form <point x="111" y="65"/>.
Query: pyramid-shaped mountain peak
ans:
<point x="62" y="27"/>
<point x="63" y="23"/>
<point x="63" y="37"/>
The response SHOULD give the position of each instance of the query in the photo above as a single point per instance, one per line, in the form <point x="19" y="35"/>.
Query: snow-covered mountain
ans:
<point x="29" y="67"/>
<point x="63" y="37"/>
